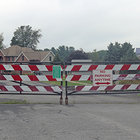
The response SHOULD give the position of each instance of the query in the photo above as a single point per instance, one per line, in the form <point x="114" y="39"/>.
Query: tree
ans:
<point x="102" y="55"/>
<point x="98" y="56"/>
<point x="93" y="55"/>
<point x="120" y="52"/>
<point x="54" y="50"/>
<point x="1" y="41"/>
<point x="25" y="36"/>
<point x="113" y="52"/>
<point x="77" y="55"/>
<point x="128" y="52"/>
<point x="46" y="49"/>
<point x="63" y="51"/>
<point x="57" y="58"/>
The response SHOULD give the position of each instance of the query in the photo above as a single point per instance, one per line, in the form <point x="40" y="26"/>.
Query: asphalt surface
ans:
<point x="76" y="122"/>
<point x="98" y="117"/>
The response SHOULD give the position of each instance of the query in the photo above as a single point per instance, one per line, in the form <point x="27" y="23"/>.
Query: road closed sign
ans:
<point x="102" y="77"/>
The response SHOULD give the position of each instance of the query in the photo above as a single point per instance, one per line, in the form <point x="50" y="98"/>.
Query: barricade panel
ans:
<point x="24" y="75"/>
<point x="124" y="77"/>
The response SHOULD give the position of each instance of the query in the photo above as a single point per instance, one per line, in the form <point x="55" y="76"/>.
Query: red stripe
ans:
<point x="76" y="78"/>
<point x="50" y="78"/>
<point x="2" y="77"/>
<point x="94" y="87"/>
<point x="76" y="68"/>
<point x="48" y="88"/>
<point x="79" y="88"/>
<point x="33" y="88"/>
<point x="138" y="67"/>
<point x="110" y="87"/>
<point x="16" y="77"/>
<point x="92" y="67"/>
<point x="109" y="67"/>
<point x="33" y="77"/>
<point x="33" y="67"/>
<point x="62" y="67"/>
<point x="122" y="76"/>
<point x="18" y="88"/>
<point x="17" y="67"/>
<point x="3" y="88"/>
<point x="2" y="67"/>
<point x="65" y="67"/>
<point x="90" y="78"/>
<point x="137" y="76"/>
<point x="125" y="67"/>
<point x="138" y="87"/>
<point x="125" y="87"/>
<point x="50" y="68"/>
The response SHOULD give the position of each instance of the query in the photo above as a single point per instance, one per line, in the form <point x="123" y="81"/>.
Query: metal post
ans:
<point x="66" y="87"/>
<point x="61" y="98"/>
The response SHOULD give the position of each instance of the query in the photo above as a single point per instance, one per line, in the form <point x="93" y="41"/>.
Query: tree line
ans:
<point x="25" y="36"/>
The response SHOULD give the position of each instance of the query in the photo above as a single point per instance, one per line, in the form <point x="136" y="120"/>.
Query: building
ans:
<point x="138" y="52"/>
<point x="24" y="54"/>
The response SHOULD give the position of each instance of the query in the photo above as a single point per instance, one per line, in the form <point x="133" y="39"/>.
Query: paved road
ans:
<point x="106" y="118"/>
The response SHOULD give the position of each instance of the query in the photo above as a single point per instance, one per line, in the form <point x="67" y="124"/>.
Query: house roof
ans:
<point x="15" y="50"/>
<point x="36" y="55"/>
<point x="27" y="52"/>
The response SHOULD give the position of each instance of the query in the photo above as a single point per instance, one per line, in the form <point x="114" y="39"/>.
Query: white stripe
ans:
<point x="56" y="89"/>
<point x="102" y="88"/>
<point x="118" y="87"/>
<point x="69" y="77"/>
<point x="8" y="67"/>
<point x="42" y="67"/>
<point x="58" y="79"/>
<point x="101" y="67"/>
<point x="8" y="77"/>
<point x="117" y="67"/>
<point x="10" y="88"/>
<point x="84" y="77"/>
<point x="25" y="78"/>
<point x="25" y="68"/>
<point x="41" y="89"/>
<point x="25" y="88"/>
<point x="133" y="87"/>
<point x="85" y="67"/>
<point x="42" y="78"/>
<point x="115" y="77"/>
<point x="69" y="67"/>
<point x="129" y="77"/>
<point x="134" y="66"/>
<point x="86" y="88"/>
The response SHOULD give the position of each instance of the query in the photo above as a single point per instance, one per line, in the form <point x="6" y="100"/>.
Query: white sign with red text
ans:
<point x="102" y="77"/>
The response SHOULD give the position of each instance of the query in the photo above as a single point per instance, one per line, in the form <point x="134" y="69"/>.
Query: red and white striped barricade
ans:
<point x="29" y="78"/>
<point x="85" y="73"/>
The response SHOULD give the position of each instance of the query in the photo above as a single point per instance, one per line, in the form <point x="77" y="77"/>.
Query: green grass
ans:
<point x="14" y="102"/>
<point x="129" y="82"/>
<point x="70" y="83"/>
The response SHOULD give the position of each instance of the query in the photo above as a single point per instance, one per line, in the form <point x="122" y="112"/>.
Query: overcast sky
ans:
<point x="86" y="24"/>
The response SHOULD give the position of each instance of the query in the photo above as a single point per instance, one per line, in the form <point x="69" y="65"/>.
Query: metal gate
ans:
<point x="125" y="78"/>
<point x="19" y="78"/>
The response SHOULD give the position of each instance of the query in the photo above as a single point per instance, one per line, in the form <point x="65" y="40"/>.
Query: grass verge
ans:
<point x="14" y="102"/>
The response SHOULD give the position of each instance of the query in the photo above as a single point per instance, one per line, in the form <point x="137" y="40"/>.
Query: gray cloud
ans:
<point x="87" y="24"/>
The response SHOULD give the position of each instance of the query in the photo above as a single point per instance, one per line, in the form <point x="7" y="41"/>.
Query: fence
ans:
<point x="20" y="79"/>
<point x="84" y="72"/>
